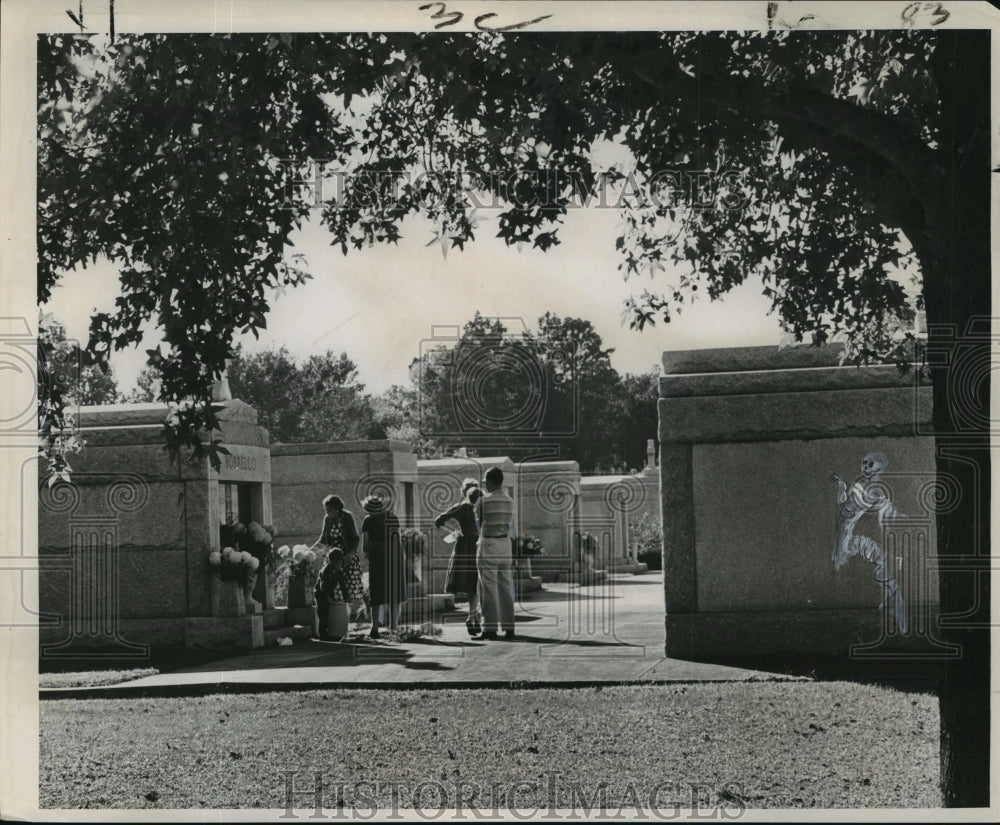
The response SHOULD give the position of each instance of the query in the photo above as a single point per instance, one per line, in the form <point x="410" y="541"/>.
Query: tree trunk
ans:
<point x="957" y="295"/>
<point x="961" y="409"/>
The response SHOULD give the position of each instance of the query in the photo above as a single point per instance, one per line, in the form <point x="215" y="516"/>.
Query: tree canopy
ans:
<point x="586" y="410"/>
<point x="68" y="382"/>
<point x="320" y="399"/>
<point x="546" y="391"/>
<point x="187" y="161"/>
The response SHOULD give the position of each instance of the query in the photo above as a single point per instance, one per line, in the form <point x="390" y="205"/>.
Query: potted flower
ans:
<point x="298" y="564"/>
<point x="257" y="541"/>
<point x="526" y="548"/>
<point x="231" y="570"/>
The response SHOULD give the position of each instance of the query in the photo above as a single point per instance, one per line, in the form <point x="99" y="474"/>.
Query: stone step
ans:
<point x="283" y="616"/>
<point x="275" y="617"/>
<point x="586" y="577"/>
<point x="422" y="608"/>
<point x="529" y="584"/>
<point x="632" y="567"/>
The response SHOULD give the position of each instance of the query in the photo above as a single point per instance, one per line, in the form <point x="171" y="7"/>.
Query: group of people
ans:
<point x="340" y="578"/>
<point x="482" y="560"/>
<point x="480" y="567"/>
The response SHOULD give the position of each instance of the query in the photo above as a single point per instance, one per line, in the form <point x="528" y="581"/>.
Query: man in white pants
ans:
<point x="495" y="514"/>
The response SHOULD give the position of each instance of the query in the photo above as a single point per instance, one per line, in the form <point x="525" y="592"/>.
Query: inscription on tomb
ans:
<point x="247" y="463"/>
<point x="244" y="464"/>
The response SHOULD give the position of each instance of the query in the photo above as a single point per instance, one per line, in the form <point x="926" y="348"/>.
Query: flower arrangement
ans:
<point x="299" y="560"/>
<point x="252" y="538"/>
<point x="230" y="564"/>
<point x="525" y="546"/>
<point x="414" y="542"/>
<point x="647" y="540"/>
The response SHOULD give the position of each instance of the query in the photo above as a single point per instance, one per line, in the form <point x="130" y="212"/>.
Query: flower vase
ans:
<point x="263" y="588"/>
<point x="300" y="594"/>
<point x="268" y="577"/>
<point x="249" y="589"/>
<point x="227" y="598"/>
<point x="524" y="568"/>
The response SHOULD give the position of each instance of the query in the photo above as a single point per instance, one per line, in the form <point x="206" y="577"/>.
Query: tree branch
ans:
<point x="811" y="119"/>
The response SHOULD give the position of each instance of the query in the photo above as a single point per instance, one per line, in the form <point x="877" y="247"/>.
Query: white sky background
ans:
<point x="378" y="304"/>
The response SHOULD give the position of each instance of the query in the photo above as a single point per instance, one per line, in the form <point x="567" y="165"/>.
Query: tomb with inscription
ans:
<point x="134" y="550"/>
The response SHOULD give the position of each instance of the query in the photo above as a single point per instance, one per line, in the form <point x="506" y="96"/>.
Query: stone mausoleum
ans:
<point x="124" y="547"/>
<point x="304" y="474"/>
<point x="749" y="438"/>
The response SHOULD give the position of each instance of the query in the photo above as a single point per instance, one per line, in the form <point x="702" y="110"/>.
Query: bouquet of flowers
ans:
<point x="526" y="546"/>
<point x="230" y="564"/>
<point x="299" y="560"/>
<point x="251" y="538"/>
<point x="258" y="542"/>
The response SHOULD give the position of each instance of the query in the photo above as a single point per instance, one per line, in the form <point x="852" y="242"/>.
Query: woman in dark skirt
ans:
<point x="380" y="535"/>
<point x="463" y="575"/>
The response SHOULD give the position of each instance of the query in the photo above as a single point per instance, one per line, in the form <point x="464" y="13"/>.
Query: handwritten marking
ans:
<point x="511" y="27"/>
<point x="806" y="21"/>
<point x="478" y="21"/>
<point x="442" y="11"/>
<point x="78" y="18"/>
<point x="936" y="11"/>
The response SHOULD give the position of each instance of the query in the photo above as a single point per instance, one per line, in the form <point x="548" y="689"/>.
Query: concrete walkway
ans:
<point x="566" y="634"/>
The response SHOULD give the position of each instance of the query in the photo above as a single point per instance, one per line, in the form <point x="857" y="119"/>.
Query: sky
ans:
<point x="380" y="305"/>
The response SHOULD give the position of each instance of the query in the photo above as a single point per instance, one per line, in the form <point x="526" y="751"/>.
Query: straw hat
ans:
<point x="373" y="504"/>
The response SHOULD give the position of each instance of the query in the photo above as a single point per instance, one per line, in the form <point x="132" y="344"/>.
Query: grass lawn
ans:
<point x="93" y="678"/>
<point x="804" y="744"/>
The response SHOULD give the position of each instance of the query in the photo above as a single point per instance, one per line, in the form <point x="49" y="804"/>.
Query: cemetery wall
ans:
<point x="304" y="474"/>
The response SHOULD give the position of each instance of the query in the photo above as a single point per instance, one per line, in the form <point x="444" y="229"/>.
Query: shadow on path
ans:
<point x="908" y="674"/>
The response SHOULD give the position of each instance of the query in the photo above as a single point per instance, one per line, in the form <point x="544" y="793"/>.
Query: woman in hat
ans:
<point x="463" y="574"/>
<point x="380" y="536"/>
